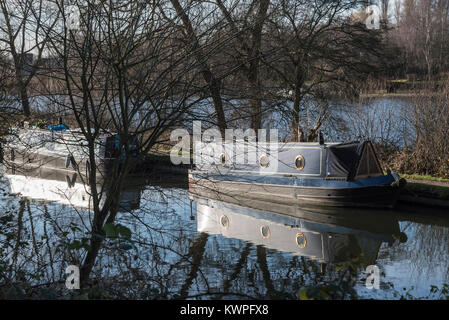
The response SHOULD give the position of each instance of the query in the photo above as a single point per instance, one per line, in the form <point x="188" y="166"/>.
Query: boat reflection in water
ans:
<point x="63" y="187"/>
<point x="321" y="234"/>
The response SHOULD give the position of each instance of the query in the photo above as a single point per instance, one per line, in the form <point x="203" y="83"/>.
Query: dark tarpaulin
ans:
<point x="343" y="159"/>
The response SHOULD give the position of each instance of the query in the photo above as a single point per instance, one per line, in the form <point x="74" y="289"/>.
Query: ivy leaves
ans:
<point x="120" y="232"/>
<point x="83" y="244"/>
<point x="115" y="232"/>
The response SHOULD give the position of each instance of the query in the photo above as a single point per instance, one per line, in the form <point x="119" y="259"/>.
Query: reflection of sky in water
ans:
<point x="420" y="262"/>
<point x="164" y="233"/>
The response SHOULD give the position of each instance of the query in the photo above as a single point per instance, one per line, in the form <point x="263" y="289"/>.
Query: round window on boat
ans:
<point x="265" y="231"/>
<point x="224" y="221"/>
<point x="222" y="159"/>
<point x="299" y="162"/>
<point x="301" y="240"/>
<point x="264" y="161"/>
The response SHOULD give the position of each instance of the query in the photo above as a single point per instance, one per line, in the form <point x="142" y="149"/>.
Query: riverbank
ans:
<point x="376" y="95"/>
<point x="427" y="193"/>
<point x="403" y="94"/>
<point x="404" y="88"/>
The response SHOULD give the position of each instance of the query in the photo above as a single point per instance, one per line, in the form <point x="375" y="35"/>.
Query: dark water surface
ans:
<point x="192" y="247"/>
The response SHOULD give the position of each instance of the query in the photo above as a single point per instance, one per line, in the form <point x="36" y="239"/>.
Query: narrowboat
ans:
<point x="59" y="148"/>
<point x="331" y="174"/>
<point x="323" y="236"/>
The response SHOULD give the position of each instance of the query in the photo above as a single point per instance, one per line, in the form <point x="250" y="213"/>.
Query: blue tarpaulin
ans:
<point x="59" y="127"/>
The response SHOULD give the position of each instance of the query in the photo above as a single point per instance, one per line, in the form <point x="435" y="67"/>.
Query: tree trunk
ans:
<point x="25" y="101"/>
<point x="253" y="72"/>
<point x="213" y="83"/>
<point x="97" y="236"/>
<point x="215" y="91"/>
<point x="89" y="261"/>
<point x="297" y="131"/>
<point x="196" y="251"/>
<point x="262" y="261"/>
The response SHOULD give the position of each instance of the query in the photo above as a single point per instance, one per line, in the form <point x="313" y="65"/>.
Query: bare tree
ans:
<point x="124" y="72"/>
<point x="194" y="45"/>
<point x="8" y="111"/>
<point x="421" y="31"/>
<point x="246" y="21"/>
<point x="23" y="26"/>
<point x="384" y="8"/>
<point x="325" y="52"/>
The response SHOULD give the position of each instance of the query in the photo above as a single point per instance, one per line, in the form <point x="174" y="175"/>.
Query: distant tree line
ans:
<point x="418" y="30"/>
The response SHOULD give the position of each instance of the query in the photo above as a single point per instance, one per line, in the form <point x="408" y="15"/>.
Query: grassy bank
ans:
<point x="424" y="178"/>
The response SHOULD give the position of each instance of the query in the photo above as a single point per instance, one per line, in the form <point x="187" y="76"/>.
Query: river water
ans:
<point x="184" y="245"/>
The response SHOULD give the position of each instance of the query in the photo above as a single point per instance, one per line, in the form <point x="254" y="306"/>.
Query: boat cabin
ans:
<point x="66" y="142"/>
<point x="62" y="149"/>
<point x="332" y="161"/>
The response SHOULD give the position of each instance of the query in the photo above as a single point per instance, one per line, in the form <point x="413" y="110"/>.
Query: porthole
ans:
<point x="301" y="240"/>
<point x="299" y="162"/>
<point x="264" y="161"/>
<point x="222" y="159"/>
<point x="224" y="221"/>
<point x="265" y="231"/>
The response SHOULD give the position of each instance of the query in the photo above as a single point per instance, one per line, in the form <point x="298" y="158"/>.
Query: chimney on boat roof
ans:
<point x="321" y="137"/>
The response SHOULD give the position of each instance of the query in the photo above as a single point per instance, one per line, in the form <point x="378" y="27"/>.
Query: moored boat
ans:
<point x="333" y="174"/>
<point x="66" y="150"/>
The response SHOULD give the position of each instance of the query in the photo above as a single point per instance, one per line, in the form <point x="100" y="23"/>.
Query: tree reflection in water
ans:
<point x="171" y="256"/>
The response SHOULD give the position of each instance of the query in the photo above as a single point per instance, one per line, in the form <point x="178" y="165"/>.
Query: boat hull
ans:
<point x="24" y="160"/>
<point x="374" y="196"/>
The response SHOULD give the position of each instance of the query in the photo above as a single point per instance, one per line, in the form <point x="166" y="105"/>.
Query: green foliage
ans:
<point x="114" y="231"/>
<point x="120" y="232"/>
<point x="338" y="291"/>
<point x="41" y="124"/>
<point x="125" y="246"/>
<point x="110" y="230"/>
<point x="443" y="292"/>
<point x="77" y="245"/>
<point x="423" y="177"/>
<point x="353" y="265"/>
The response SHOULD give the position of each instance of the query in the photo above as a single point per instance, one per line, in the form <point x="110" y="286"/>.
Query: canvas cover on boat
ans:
<point x="352" y="160"/>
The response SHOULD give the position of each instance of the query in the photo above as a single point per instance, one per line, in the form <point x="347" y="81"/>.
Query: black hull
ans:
<point x="372" y="197"/>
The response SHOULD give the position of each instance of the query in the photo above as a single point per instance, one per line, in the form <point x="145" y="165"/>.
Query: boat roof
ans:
<point x="75" y="131"/>
<point x="353" y="160"/>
